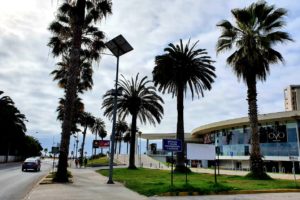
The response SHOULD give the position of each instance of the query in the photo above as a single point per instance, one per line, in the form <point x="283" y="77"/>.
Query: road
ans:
<point x="15" y="184"/>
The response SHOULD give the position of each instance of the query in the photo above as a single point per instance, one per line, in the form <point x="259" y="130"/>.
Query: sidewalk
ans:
<point x="87" y="185"/>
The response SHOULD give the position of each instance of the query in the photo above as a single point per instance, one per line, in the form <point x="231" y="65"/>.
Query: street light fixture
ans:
<point x="118" y="46"/>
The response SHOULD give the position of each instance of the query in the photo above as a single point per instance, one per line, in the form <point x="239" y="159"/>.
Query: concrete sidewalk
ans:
<point x="87" y="185"/>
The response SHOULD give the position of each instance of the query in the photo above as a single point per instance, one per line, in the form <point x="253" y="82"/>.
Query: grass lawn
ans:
<point x="98" y="161"/>
<point x="151" y="182"/>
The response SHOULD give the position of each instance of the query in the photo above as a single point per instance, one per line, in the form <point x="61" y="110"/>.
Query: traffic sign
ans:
<point x="173" y="145"/>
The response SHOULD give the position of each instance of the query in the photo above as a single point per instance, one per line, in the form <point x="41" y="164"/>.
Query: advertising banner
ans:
<point x="101" y="143"/>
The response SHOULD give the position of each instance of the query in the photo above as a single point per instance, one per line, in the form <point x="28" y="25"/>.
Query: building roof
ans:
<point x="264" y="118"/>
<point x="158" y="136"/>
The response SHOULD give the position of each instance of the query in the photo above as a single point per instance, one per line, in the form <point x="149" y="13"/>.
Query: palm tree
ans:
<point x="121" y="128"/>
<point x="79" y="106"/>
<point x="71" y="33"/>
<point x="87" y="121"/>
<point x="12" y="125"/>
<point x="256" y="32"/>
<point x="46" y="151"/>
<point x="126" y="139"/>
<point x="180" y="67"/>
<point x="138" y="100"/>
<point x="99" y="129"/>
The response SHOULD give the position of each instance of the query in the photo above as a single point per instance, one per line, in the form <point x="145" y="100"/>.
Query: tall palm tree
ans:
<point x="87" y="121"/>
<point x="71" y="33"/>
<point x="138" y="100"/>
<point x="99" y="129"/>
<point x="79" y="109"/>
<point x="256" y="32"/>
<point x="180" y="67"/>
<point x="121" y="128"/>
<point x="126" y="139"/>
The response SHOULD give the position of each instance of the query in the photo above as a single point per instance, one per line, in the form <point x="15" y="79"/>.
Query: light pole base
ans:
<point x="110" y="182"/>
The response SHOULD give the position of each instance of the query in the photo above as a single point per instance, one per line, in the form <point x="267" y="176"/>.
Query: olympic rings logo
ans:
<point x="276" y="136"/>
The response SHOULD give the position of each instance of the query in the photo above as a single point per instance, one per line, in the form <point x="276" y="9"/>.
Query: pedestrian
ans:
<point x="85" y="162"/>
<point x="76" y="162"/>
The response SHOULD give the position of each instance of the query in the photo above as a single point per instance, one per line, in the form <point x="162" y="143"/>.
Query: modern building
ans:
<point x="292" y="98"/>
<point x="279" y="140"/>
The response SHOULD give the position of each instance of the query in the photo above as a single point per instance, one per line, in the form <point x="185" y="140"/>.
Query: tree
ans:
<point x="71" y="34"/>
<point x="99" y="129"/>
<point x="138" y="100"/>
<point x="87" y="121"/>
<point x="180" y="67"/>
<point x="126" y="139"/>
<point x="31" y="147"/>
<point x="256" y="32"/>
<point x="121" y="128"/>
<point x="46" y="151"/>
<point x="12" y="125"/>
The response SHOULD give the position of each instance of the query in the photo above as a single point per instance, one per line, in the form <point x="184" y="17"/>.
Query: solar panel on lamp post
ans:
<point x="118" y="46"/>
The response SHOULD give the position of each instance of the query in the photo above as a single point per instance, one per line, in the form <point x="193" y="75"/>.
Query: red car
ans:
<point x="31" y="164"/>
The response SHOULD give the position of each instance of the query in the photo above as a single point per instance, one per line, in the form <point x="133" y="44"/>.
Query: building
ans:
<point x="279" y="140"/>
<point x="292" y="98"/>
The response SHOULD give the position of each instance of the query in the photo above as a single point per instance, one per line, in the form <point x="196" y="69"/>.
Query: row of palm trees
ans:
<point x="13" y="138"/>
<point x="181" y="68"/>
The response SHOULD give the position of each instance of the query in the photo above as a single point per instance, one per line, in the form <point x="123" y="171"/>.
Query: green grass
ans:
<point x="98" y="161"/>
<point x="151" y="182"/>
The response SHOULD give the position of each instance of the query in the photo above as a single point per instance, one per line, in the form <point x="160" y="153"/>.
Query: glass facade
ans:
<point x="276" y="139"/>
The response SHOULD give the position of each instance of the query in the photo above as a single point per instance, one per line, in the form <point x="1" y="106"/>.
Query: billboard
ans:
<point x="200" y="151"/>
<point x="101" y="143"/>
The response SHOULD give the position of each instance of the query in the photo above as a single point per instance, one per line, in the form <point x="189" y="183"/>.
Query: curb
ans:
<point x="230" y="192"/>
<point x="34" y="185"/>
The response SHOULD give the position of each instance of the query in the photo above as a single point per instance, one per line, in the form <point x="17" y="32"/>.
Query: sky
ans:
<point x="149" y="26"/>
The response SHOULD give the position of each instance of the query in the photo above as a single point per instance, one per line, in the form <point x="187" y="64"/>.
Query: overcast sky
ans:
<point x="149" y="26"/>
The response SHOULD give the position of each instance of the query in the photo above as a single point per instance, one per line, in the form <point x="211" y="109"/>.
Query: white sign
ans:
<point x="201" y="151"/>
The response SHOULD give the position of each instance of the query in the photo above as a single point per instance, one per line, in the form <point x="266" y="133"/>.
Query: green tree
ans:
<point x="12" y="125"/>
<point x="99" y="129"/>
<point x="179" y="68"/>
<point x="138" y="100"/>
<point x="45" y="151"/>
<point x="255" y="33"/>
<point x="31" y="147"/>
<point x="121" y="128"/>
<point x="71" y="34"/>
<point x="87" y="121"/>
<point x="126" y="139"/>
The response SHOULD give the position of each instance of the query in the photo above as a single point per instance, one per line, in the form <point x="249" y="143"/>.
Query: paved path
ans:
<point x="90" y="185"/>
<point x="87" y="185"/>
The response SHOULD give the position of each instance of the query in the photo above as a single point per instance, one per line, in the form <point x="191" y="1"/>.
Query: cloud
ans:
<point x="149" y="26"/>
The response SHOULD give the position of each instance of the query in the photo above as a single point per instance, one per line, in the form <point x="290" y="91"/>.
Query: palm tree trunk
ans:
<point x="71" y="91"/>
<point x="180" y="129"/>
<point x="127" y="148"/>
<point x="132" y="143"/>
<point x="120" y="142"/>
<point x="256" y="163"/>
<point x="83" y="142"/>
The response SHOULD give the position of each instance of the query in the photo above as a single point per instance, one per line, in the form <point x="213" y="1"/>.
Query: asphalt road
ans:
<point x="15" y="184"/>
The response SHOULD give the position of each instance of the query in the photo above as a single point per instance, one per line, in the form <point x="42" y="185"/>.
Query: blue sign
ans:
<point x="172" y="145"/>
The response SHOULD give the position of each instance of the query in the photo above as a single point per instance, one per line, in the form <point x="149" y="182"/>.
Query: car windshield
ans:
<point x="30" y="160"/>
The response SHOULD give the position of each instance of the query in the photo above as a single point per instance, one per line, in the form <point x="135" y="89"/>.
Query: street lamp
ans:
<point x="118" y="46"/>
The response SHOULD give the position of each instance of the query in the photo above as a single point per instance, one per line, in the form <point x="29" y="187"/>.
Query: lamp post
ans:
<point x="118" y="46"/>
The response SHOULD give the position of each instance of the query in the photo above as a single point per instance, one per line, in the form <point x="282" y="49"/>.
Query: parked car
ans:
<point x="31" y="164"/>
